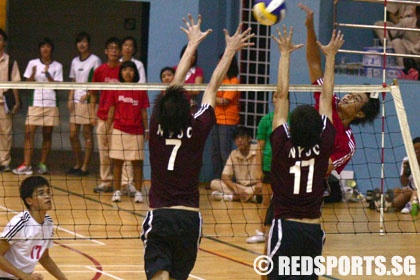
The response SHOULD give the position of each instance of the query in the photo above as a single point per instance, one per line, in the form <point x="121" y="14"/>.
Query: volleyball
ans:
<point x="269" y="12"/>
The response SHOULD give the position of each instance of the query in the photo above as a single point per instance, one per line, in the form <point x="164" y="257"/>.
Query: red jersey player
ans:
<point x="353" y="108"/>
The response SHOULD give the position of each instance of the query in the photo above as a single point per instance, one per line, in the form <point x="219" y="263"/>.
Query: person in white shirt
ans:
<point x="81" y="71"/>
<point x="27" y="238"/>
<point x="129" y="50"/>
<point x="43" y="109"/>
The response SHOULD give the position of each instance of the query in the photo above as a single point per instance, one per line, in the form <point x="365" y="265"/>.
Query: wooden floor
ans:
<point x="98" y="239"/>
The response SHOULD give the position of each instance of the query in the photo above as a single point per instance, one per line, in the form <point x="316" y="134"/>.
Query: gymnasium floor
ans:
<point x="98" y="239"/>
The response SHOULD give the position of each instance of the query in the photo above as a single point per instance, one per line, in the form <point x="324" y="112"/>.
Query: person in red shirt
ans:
<point x="128" y="113"/>
<point x="354" y="108"/>
<point x="106" y="73"/>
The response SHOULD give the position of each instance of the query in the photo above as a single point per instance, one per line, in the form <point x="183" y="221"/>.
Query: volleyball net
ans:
<point x="80" y="213"/>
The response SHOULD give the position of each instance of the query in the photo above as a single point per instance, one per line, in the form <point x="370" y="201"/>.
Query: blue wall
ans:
<point x="166" y="40"/>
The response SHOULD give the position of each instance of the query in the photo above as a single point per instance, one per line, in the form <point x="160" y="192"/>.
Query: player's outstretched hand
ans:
<point x="334" y="45"/>
<point x="238" y="40"/>
<point x="284" y="42"/>
<point x="192" y="29"/>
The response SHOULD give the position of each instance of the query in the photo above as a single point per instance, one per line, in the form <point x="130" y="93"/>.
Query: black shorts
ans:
<point x="289" y="238"/>
<point x="171" y="238"/>
<point x="269" y="215"/>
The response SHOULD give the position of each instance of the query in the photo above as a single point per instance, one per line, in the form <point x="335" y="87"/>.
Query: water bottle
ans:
<point x="415" y="207"/>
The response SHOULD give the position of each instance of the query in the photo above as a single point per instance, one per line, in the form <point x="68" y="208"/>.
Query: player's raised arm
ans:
<point x="330" y="50"/>
<point x="238" y="41"/>
<point x="195" y="37"/>
<point x="286" y="47"/>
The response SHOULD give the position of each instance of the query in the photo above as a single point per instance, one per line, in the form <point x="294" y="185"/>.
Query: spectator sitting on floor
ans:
<point x="241" y="176"/>
<point x="403" y="196"/>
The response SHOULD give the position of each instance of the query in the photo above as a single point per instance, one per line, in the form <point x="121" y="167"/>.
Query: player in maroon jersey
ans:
<point x="301" y="154"/>
<point x="353" y="108"/>
<point x="171" y="231"/>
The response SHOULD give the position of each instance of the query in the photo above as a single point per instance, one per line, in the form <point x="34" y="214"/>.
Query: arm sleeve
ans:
<point x="28" y="70"/>
<point x="142" y="73"/>
<point x="72" y="73"/>
<point x="58" y="76"/>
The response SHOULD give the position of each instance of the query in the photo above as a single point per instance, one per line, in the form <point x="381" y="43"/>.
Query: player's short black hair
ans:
<point x="4" y="35"/>
<point x="29" y="185"/>
<point x="370" y="109"/>
<point x="113" y="40"/>
<point x="166" y="68"/>
<point x="46" y="41"/>
<point x="416" y="140"/>
<point x="242" y="131"/>
<point x="305" y="126"/>
<point x="82" y="36"/>
<point x="130" y="38"/>
<point x="173" y="110"/>
<point x="132" y="65"/>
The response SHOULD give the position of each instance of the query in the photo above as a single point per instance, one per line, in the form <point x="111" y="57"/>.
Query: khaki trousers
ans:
<point x="103" y="135"/>
<point x="5" y="136"/>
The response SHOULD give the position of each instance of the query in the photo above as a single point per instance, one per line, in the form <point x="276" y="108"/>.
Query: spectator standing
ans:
<point x="81" y="71"/>
<point x="227" y="118"/>
<point x="9" y="71"/>
<point x="43" y="110"/>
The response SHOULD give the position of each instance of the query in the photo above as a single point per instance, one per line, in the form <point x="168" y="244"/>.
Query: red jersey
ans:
<point x="193" y="73"/>
<point x="344" y="145"/>
<point x="105" y="74"/>
<point x="128" y="106"/>
<point x="297" y="175"/>
<point x="176" y="161"/>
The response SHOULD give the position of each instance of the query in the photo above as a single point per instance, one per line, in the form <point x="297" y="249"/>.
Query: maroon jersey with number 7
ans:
<point x="176" y="161"/>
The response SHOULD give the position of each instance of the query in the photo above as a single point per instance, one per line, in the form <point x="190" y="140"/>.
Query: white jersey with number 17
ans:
<point x="28" y="241"/>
